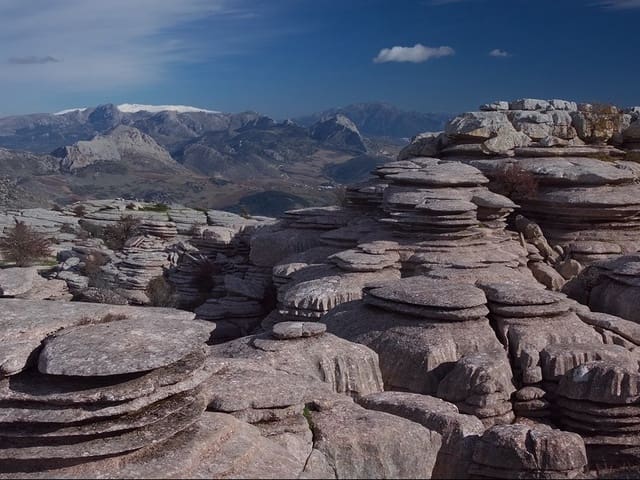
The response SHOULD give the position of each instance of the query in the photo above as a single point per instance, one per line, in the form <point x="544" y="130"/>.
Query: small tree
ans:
<point x="205" y="270"/>
<point x="23" y="245"/>
<point x="514" y="181"/>
<point x="80" y="210"/>
<point x="161" y="293"/>
<point x="115" y="236"/>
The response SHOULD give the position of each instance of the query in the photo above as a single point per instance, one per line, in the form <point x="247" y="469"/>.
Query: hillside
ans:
<point x="203" y="158"/>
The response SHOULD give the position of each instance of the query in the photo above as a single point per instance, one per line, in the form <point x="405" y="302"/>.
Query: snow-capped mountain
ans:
<point x="137" y="107"/>
<point x="70" y="110"/>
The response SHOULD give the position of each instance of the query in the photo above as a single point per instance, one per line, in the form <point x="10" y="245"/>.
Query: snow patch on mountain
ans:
<point x="69" y="110"/>
<point x="136" y="107"/>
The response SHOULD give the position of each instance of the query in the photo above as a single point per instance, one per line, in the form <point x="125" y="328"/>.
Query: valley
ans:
<point x="202" y="158"/>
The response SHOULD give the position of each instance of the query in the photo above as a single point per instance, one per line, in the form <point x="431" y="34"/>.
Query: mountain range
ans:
<point x="379" y="119"/>
<point x="199" y="157"/>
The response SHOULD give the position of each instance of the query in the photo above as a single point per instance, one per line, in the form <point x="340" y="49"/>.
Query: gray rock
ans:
<point x="519" y="294"/>
<point x="536" y="449"/>
<point x="119" y="347"/>
<point x="16" y="281"/>
<point x="423" y="145"/>
<point x="563" y="105"/>
<point x="507" y="139"/>
<point x="495" y="106"/>
<point x="459" y="432"/>
<point x="257" y="392"/>
<point x="291" y="330"/>
<point x="556" y="360"/>
<point x="529" y="104"/>
<point x="569" y="268"/>
<point x="412" y="353"/>
<point x="346" y="367"/>
<point x="34" y="387"/>
<point x="602" y="381"/>
<point x="359" y="443"/>
<point x="476" y="125"/>
<point x="26" y="323"/>
<point x="28" y="448"/>
<point x="425" y="292"/>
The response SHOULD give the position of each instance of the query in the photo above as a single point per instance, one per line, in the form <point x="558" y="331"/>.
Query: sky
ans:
<point x="286" y="58"/>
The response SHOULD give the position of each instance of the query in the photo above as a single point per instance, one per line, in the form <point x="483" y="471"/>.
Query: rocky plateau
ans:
<point x="470" y="310"/>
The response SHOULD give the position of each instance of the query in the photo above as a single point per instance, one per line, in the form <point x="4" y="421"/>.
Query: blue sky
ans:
<point x="290" y="57"/>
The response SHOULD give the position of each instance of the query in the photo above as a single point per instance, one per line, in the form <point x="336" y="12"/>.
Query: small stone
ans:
<point x="569" y="268"/>
<point x="292" y="330"/>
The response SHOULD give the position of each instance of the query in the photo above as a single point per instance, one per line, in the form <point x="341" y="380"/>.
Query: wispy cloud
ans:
<point x="32" y="60"/>
<point x="619" y="4"/>
<point x="416" y="54"/>
<point x="104" y="45"/>
<point x="446" y="2"/>
<point x="497" y="52"/>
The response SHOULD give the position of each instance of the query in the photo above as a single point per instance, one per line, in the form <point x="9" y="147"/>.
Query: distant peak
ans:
<point x="136" y="107"/>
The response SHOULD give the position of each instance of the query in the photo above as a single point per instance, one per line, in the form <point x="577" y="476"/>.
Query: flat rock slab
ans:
<point x="148" y="416"/>
<point x="242" y="385"/>
<point x="442" y="175"/>
<point x="17" y="412"/>
<point x="517" y="294"/>
<point x="599" y="410"/>
<point x="32" y="386"/>
<point x="16" y="281"/>
<point x="293" y="330"/>
<point x="529" y="311"/>
<point x="24" y="324"/>
<point x="594" y="248"/>
<point x="38" y="448"/>
<point x="575" y="171"/>
<point x="426" y="292"/>
<point x="120" y="347"/>
<point x="428" y="313"/>
<point x="446" y="207"/>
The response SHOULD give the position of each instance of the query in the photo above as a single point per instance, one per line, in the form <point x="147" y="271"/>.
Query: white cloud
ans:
<point x="496" y="52"/>
<point x="619" y="4"/>
<point x="416" y="54"/>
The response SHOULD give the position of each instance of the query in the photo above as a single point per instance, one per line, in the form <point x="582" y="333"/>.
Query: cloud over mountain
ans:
<point x="416" y="54"/>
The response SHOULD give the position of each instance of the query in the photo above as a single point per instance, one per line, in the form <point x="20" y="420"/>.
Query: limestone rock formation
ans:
<point x="469" y="316"/>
